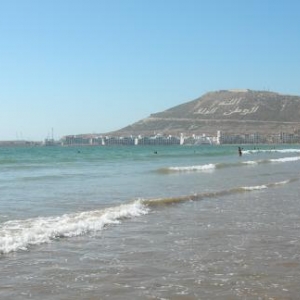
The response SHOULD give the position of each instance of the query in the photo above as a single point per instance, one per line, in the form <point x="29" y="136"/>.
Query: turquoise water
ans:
<point x="53" y="181"/>
<point x="167" y="222"/>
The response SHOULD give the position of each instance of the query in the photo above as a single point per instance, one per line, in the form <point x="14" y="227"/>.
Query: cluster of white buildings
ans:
<point x="159" y="139"/>
<point x="74" y="140"/>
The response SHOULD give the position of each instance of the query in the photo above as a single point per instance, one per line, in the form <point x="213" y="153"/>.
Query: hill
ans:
<point x="230" y="111"/>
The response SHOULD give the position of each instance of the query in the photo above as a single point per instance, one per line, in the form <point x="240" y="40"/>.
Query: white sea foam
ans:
<point x="265" y="186"/>
<point x="271" y="151"/>
<point x="253" y="188"/>
<point x="250" y="162"/>
<point x="282" y="182"/>
<point x="19" y="234"/>
<point x="285" y="159"/>
<point x="288" y="150"/>
<point x="194" y="168"/>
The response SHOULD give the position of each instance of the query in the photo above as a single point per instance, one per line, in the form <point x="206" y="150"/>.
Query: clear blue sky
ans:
<point x="93" y="66"/>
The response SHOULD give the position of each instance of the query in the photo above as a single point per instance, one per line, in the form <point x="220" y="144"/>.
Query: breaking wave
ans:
<point x="254" y="188"/>
<point x="201" y="196"/>
<point x="285" y="159"/>
<point x="250" y="162"/>
<point x="211" y="166"/>
<point x="22" y="234"/>
<point x="271" y="151"/>
<point x="206" y="167"/>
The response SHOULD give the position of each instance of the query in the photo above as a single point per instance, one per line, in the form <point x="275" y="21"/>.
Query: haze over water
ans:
<point x="130" y="223"/>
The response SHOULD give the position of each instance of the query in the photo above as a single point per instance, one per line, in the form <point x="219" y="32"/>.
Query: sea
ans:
<point x="150" y="222"/>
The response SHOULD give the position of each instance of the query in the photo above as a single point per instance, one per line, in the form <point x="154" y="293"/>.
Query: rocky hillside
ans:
<point x="231" y="111"/>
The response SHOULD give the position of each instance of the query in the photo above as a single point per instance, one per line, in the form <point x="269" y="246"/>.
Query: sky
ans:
<point x="94" y="66"/>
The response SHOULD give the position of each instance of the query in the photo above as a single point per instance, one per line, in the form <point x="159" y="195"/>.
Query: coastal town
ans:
<point x="162" y="139"/>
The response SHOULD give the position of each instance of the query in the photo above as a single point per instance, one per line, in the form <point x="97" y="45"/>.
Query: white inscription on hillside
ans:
<point x="207" y="111"/>
<point x="242" y="112"/>
<point x="233" y="101"/>
<point x="234" y="110"/>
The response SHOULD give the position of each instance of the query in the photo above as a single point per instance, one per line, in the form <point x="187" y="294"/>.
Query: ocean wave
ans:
<point x="254" y="188"/>
<point x="20" y="234"/>
<point x="251" y="162"/>
<point x="288" y="150"/>
<point x="285" y="159"/>
<point x="273" y="160"/>
<point x="212" y="166"/>
<point x="206" y="167"/>
<point x="271" y="151"/>
<point x="214" y="194"/>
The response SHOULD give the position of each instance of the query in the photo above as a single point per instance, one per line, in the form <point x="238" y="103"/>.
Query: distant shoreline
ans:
<point x="19" y="143"/>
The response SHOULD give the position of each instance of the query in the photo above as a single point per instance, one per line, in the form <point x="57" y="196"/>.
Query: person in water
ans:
<point x="240" y="151"/>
